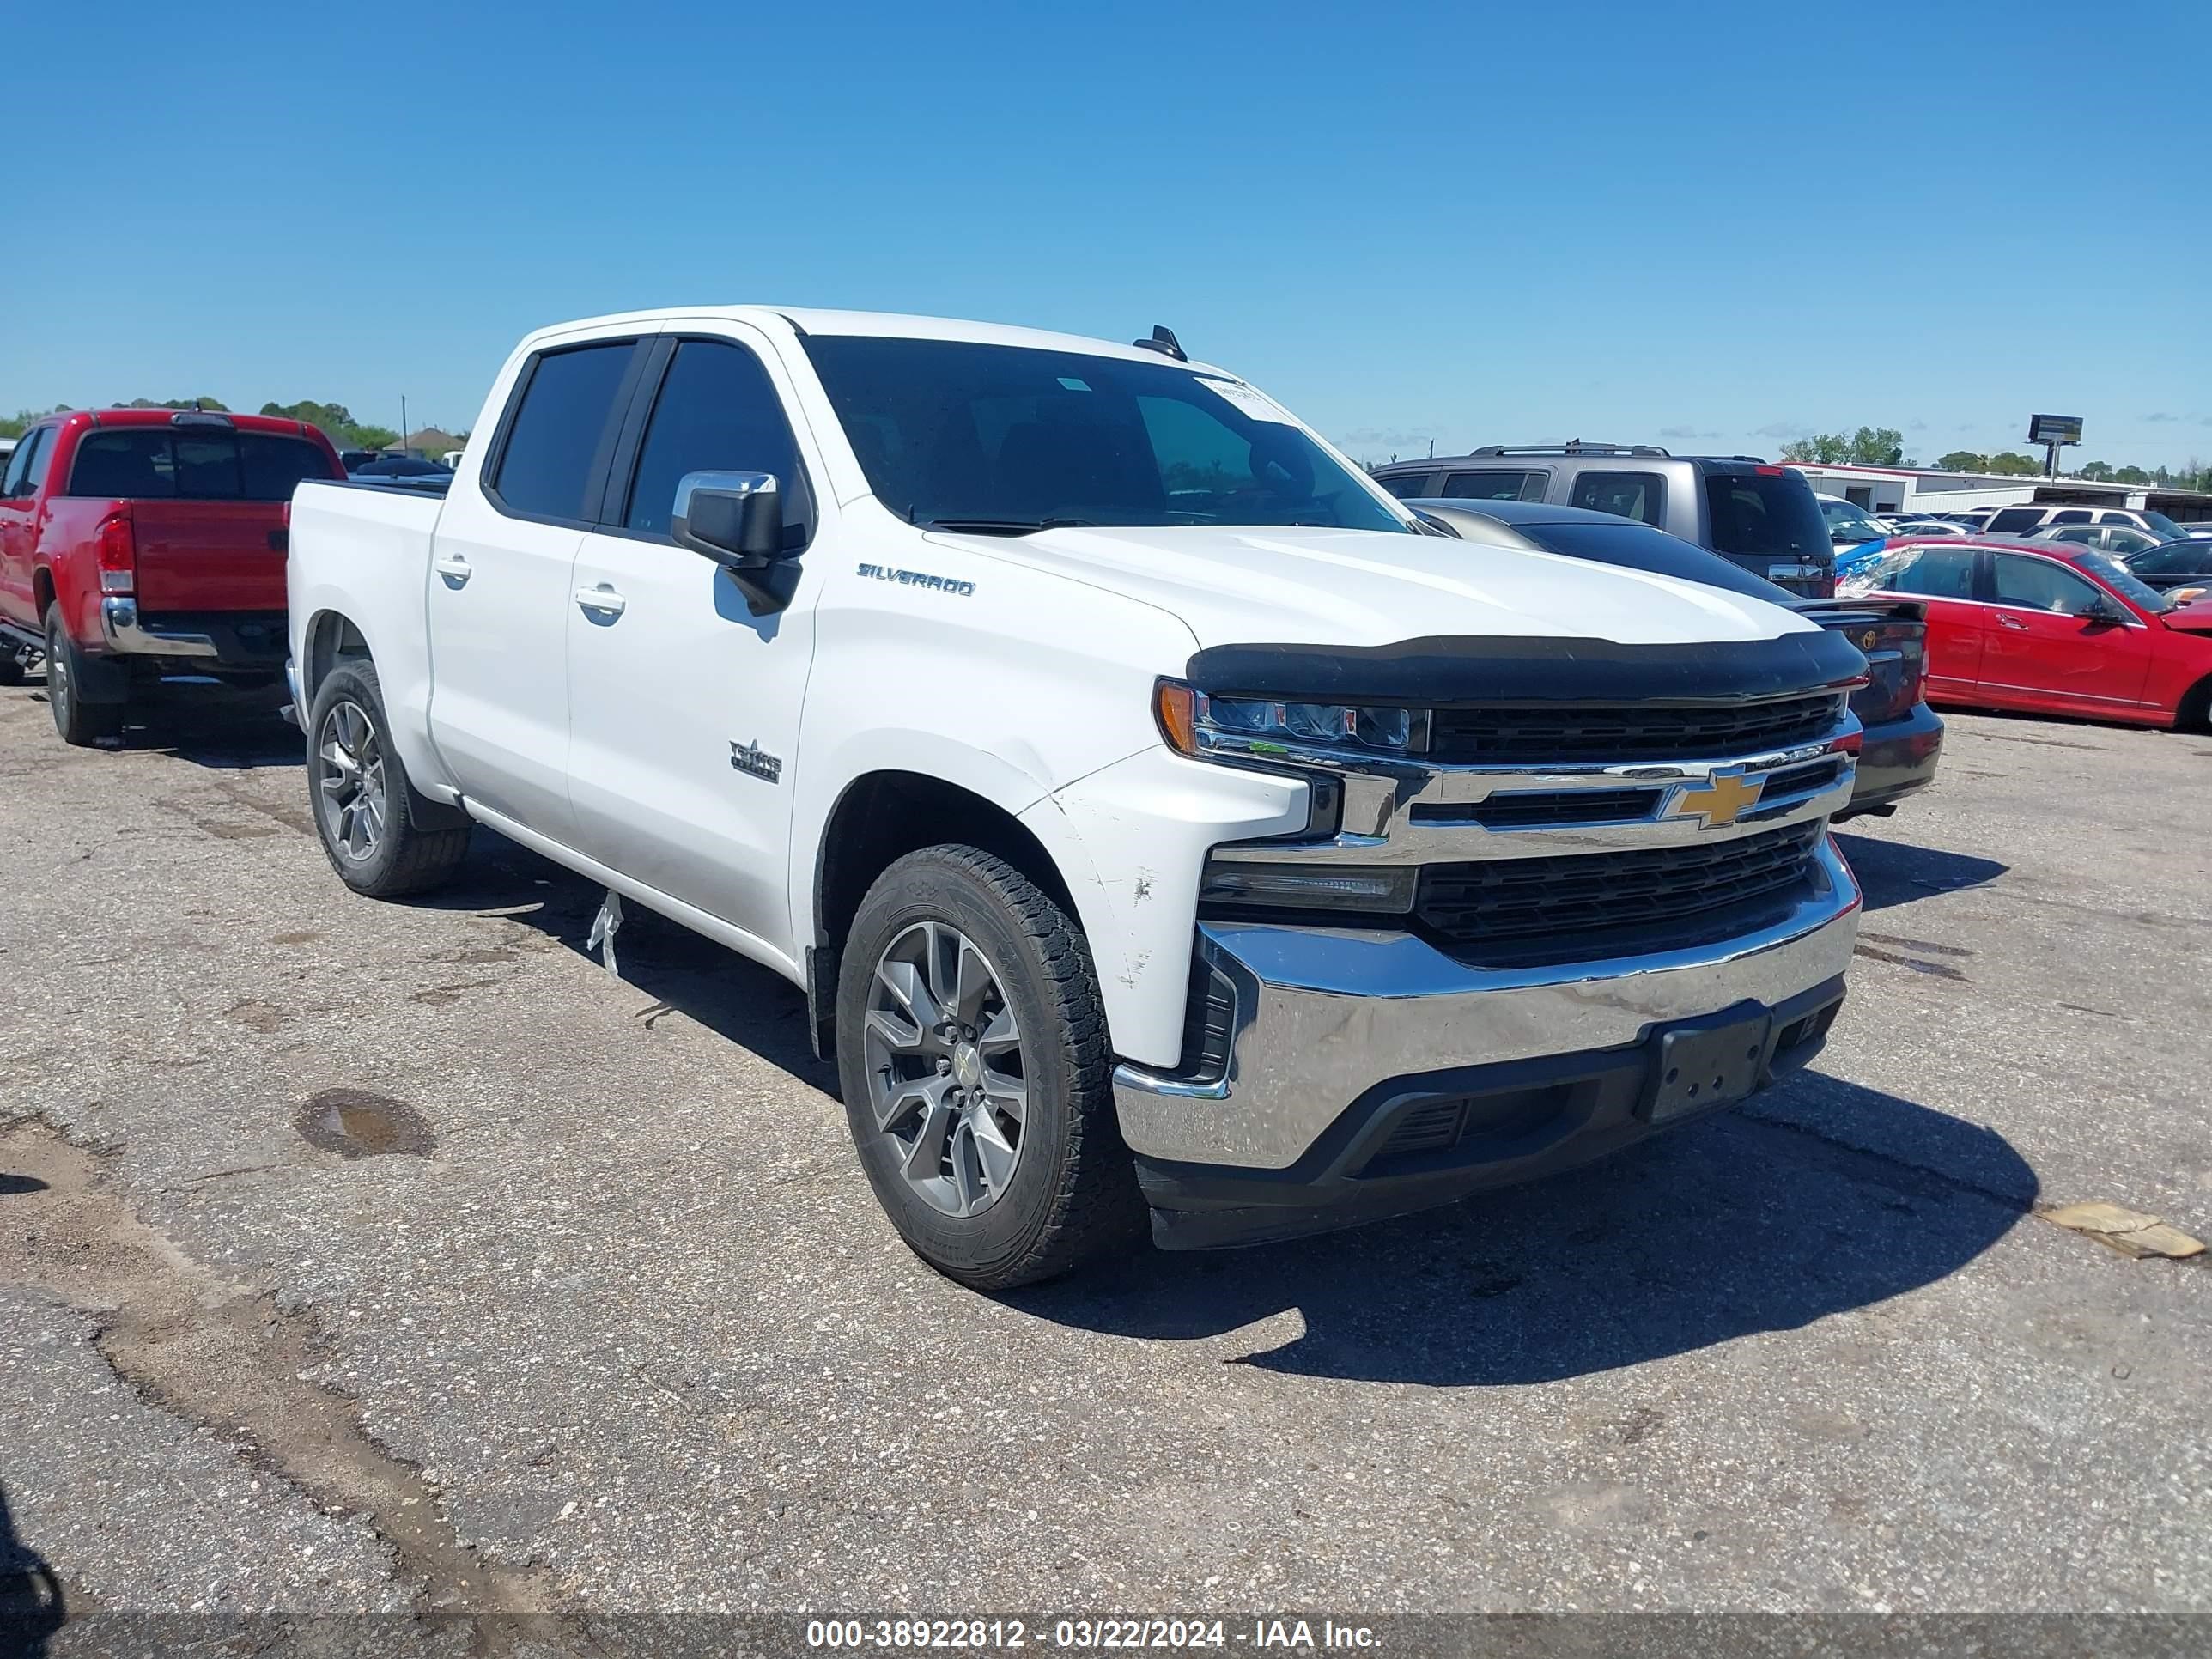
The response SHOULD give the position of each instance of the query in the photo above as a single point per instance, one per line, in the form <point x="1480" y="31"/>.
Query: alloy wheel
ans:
<point x="946" y="1074"/>
<point x="349" y="776"/>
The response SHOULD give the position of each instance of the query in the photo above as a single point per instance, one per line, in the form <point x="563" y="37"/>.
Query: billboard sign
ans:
<point x="2054" y="428"/>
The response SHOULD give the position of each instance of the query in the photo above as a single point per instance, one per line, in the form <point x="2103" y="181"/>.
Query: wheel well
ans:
<point x="332" y="639"/>
<point x="2194" y="713"/>
<point x="879" y="819"/>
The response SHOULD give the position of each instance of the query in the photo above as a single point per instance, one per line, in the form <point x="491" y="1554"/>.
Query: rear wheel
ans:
<point x="360" y="792"/>
<point x="972" y="1052"/>
<point x="79" y="722"/>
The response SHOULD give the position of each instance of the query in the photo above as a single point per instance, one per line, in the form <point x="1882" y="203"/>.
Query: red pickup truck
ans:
<point x="139" y="543"/>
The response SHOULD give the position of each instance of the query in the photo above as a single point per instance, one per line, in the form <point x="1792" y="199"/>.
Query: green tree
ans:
<point x="1877" y="446"/>
<point x="1963" y="461"/>
<point x="15" y="425"/>
<point x="336" y="421"/>
<point x="2010" y="463"/>
<point x="2095" y="472"/>
<point x="2131" y="475"/>
<point x="211" y="404"/>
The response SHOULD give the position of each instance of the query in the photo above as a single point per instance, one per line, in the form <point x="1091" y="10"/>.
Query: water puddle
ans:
<point x="355" y="1123"/>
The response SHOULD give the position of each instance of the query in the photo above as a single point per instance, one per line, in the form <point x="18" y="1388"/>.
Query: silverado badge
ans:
<point x="755" y="761"/>
<point x="1719" y="801"/>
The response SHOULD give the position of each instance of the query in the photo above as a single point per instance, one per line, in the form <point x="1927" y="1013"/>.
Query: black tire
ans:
<point x="79" y="722"/>
<point x="399" y="859"/>
<point x="1072" y="1197"/>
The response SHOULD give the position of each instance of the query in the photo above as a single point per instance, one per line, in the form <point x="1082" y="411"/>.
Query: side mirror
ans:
<point x="735" y="519"/>
<point x="2101" y="610"/>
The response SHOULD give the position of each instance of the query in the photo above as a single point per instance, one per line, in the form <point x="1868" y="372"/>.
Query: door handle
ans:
<point x="2012" y="621"/>
<point x="602" y="598"/>
<point x="453" y="568"/>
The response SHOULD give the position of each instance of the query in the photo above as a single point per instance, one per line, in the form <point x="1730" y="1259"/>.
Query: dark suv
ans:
<point x="1763" y="518"/>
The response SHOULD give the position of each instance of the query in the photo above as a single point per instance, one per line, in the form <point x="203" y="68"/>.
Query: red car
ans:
<point x="2053" y="627"/>
<point x="136" y="543"/>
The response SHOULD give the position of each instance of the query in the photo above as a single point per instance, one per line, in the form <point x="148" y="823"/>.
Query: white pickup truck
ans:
<point x="1157" y="815"/>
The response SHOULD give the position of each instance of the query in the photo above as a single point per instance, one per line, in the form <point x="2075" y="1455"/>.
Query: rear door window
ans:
<point x="717" y="412"/>
<point x="1766" y="515"/>
<point x="562" y="430"/>
<point x="198" y="464"/>
<point x="2073" y="515"/>
<point x="22" y="478"/>
<point x="2007" y="521"/>
<point x="1933" y="573"/>
<point x="1496" y="484"/>
<point x="1640" y="495"/>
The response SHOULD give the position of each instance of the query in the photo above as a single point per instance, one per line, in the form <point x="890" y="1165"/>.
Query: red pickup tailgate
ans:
<point x="205" y="495"/>
<point x="210" y="556"/>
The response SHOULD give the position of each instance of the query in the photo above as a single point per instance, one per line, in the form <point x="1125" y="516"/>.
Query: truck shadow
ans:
<point x="31" y="1604"/>
<point x="1893" y="872"/>
<point x="1819" y="1199"/>
<point x="212" y="725"/>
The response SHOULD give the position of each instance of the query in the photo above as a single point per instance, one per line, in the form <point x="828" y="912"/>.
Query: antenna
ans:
<point x="1164" y="341"/>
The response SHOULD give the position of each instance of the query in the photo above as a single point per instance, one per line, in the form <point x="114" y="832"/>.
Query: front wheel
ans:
<point x="972" y="1052"/>
<point x="360" y="792"/>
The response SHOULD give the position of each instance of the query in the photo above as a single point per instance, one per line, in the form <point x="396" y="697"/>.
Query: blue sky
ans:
<point x="1711" y="226"/>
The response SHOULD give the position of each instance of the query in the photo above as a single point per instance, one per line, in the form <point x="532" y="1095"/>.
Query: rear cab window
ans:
<point x="197" y="464"/>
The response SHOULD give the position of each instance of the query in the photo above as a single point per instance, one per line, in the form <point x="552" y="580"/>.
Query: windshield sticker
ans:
<point x="1251" y="403"/>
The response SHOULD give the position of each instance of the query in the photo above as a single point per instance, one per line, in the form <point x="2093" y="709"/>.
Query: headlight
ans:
<point x="1194" y="724"/>
<point x="1308" y="886"/>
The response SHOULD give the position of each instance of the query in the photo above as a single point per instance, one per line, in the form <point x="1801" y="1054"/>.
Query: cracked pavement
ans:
<point x="395" y="1258"/>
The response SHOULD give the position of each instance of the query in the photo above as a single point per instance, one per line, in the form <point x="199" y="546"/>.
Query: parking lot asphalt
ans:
<point x="372" y="1256"/>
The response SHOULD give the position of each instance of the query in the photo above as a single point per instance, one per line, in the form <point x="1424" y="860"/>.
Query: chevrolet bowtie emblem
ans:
<point x="1719" y="800"/>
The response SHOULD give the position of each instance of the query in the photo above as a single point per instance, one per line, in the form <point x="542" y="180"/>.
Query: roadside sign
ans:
<point x="2054" y="428"/>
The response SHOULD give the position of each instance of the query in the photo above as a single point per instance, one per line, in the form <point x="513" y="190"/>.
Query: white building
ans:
<point x="1910" y="490"/>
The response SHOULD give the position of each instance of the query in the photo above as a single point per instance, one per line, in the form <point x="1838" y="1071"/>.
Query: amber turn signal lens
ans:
<point x="1175" y="706"/>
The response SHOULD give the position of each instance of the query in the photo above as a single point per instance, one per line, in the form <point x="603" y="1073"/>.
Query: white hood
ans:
<point x="1364" y="587"/>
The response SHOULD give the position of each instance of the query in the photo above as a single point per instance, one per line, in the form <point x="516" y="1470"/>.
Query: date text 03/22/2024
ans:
<point x="1083" y="1635"/>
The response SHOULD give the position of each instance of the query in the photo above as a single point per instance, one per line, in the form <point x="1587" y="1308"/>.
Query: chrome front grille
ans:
<point x="1554" y="734"/>
<point x="1580" y="901"/>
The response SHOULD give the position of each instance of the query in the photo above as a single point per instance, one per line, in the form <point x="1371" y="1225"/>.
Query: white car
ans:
<point x="1156" y="814"/>
<point x="1851" y="525"/>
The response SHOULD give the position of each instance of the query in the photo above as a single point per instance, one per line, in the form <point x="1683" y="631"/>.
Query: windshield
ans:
<point x="1006" y="439"/>
<point x="2168" y="530"/>
<point x="2113" y="569"/>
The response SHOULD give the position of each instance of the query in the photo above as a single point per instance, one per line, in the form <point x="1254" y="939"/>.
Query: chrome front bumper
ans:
<point x="1324" y="1015"/>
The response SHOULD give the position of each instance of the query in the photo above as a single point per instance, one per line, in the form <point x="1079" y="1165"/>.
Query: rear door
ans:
<point x="19" y="525"/>
<point x="2041" y="652"/>
<point x="1944" y="578"/>
<point x="206" y="505"/>
<point x="500" y="580"/>
<point x="684" y="705"/>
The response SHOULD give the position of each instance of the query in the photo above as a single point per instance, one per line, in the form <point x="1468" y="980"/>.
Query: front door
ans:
<point x="2043" y="654"/>
<point x="500" y="582"/>
<point x="19" y="527"/>
<point x="684" y="705"/>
